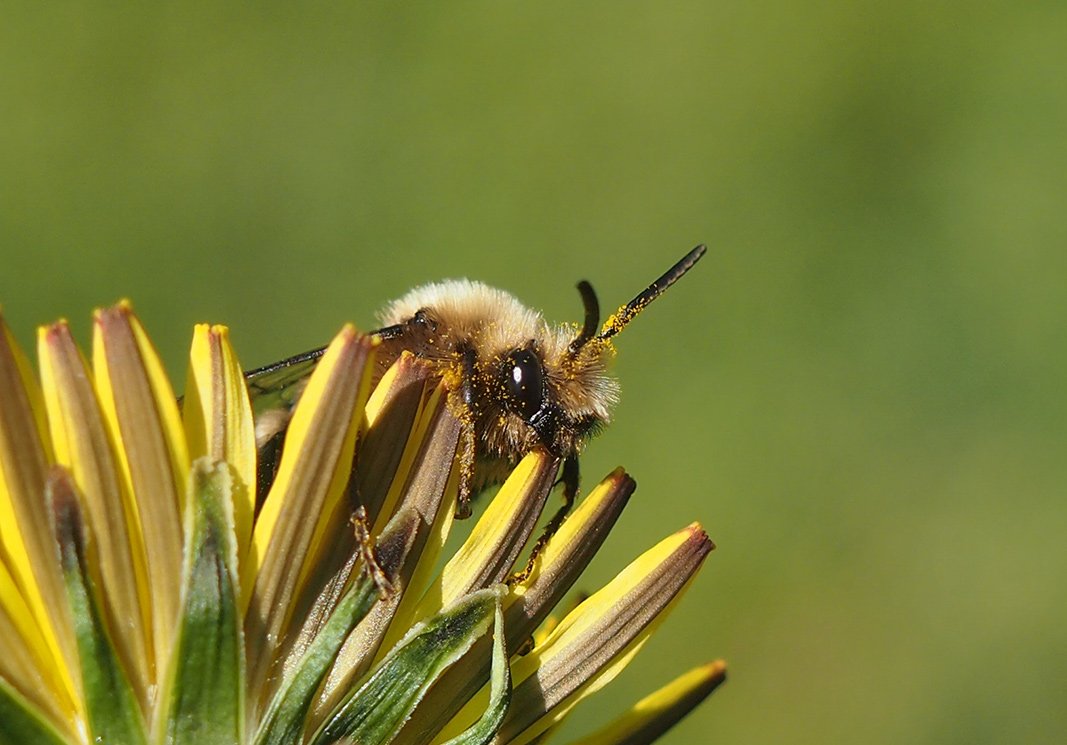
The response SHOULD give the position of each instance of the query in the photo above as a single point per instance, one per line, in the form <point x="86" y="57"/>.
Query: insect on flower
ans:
<point x="515" y="382"/>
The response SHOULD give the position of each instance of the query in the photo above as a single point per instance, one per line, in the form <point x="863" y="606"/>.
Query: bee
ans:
<point x="514" y="381"/>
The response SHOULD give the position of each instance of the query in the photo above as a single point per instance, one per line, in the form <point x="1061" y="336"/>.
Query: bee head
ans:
<point x="559" y="384"/>
<point x="561" y="395"/>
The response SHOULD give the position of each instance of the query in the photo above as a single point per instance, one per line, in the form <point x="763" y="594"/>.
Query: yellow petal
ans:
<point x="25" y="659"/>
<point x="562" y="561"/>
<point x="218" y="420"/>
<point x="399" y="411"/>
<point x="596" y="640"/>
<point x="306" y="497"/>
<point x="387" y="449"/>
<point x="429" y="493"/>
<point x="607" y="630"/>
<point x="659" y="711"/>
<point x="83" y="446"/>
<point x="142" y="416"/>
<point x="567" y="553"/>
<point x="27" y="549"/>
<point x="495" y="543"/>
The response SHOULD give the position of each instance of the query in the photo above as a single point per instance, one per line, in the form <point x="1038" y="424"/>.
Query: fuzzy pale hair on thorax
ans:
<point x="494" y="318"/>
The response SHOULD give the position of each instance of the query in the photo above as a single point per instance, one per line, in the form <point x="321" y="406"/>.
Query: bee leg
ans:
<point x="569" y="478"/>
<point x="468" y="437"/>
<point x="467" y="440"/>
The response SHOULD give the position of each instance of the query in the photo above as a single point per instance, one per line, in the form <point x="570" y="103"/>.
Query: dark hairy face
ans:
<point x="528" y="394"/>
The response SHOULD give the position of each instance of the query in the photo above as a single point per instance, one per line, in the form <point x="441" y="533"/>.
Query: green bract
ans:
<point x="163" y="582"/>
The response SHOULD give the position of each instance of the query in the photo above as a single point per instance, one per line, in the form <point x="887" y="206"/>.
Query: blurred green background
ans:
<point x="859" y="392"/>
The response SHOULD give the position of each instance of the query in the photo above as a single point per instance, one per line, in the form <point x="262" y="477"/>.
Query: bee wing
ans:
<point x="277" y="386"/>
<point x="273" y="391"/>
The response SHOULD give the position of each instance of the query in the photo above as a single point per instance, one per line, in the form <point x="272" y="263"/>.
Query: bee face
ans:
<point x="558" y="399"/>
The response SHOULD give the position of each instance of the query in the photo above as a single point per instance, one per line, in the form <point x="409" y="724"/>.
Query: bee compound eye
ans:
<point x="524" y="381"/>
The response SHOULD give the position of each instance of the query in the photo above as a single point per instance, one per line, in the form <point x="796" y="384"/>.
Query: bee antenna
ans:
<point x="617" y="322"/>
<point x="592" y="316"/>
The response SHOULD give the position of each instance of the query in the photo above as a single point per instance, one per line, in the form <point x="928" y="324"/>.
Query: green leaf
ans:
<point x="202" y="702"/>
<point x="373" y="713"/>
<point x="20" y="724"/>
<point x="283" y="724"/>
<point x="110" y="704"/>
<point x="483" y="731"/>
<point x="284" y="720"/>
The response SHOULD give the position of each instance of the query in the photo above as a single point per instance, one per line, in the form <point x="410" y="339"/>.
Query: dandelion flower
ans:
<point x="163" y="581"/>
